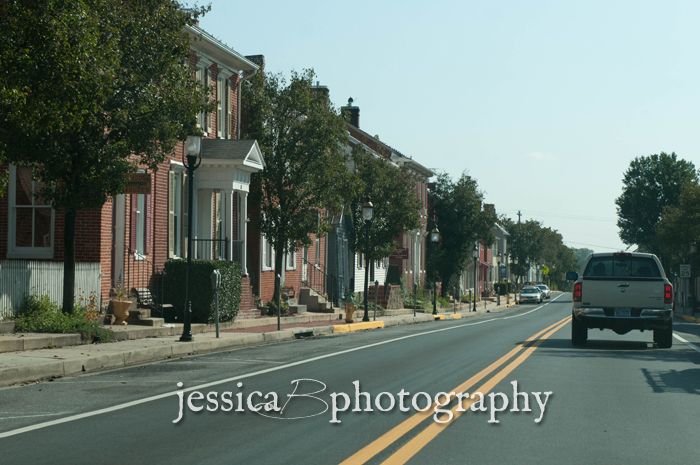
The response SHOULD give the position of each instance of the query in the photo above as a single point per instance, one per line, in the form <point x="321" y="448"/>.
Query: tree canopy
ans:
<point x="679" y="229"/>
<point x="650" y="184"/>
<point x="392" y="193"/>
<point x="96" y="88"/>
<point x="302" y="137"/>
<point x="461" y="221"/>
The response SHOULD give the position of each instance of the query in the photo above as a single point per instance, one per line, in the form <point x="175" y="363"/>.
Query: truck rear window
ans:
<point x="621" y="267"/>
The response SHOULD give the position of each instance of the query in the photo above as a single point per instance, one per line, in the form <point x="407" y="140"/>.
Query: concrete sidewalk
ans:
<point x="27" y="362"/>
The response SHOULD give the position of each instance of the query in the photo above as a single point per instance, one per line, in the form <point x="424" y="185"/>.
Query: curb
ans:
<point x="690" y="319"/>
<point x="362" y="326"/>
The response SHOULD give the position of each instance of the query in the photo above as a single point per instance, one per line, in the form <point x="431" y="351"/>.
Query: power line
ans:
<point x="593" y="245"/>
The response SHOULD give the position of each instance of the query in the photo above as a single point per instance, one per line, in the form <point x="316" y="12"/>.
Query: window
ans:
<point x="228" y="109"/>
<point x="31" y="218"/>
<point x="220" y="123"/>
<point x="292" y="260"/>
<point x="317" y="243"/>
<point x="202" y="76"/>
<point x="176" y="202"/>
<point x="268" y="255"/>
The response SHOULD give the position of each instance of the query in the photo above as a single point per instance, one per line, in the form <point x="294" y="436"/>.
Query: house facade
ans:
<point x="127" y="241"/>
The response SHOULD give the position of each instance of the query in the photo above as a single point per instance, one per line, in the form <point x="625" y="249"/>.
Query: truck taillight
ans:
<point x="578" y="292"/>
<point x="668" y="294"/>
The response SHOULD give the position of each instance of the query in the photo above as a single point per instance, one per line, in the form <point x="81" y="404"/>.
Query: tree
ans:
<point x="96" y="88"/>
<point x="461" y="221"/>
<point x="302" y="137"/>
<point x="526" y="244"/>
<point x="581" y="256"/>
<point x="679" y="228"/>
<point x="650" y="184"/>
<point x="393" y="197"/>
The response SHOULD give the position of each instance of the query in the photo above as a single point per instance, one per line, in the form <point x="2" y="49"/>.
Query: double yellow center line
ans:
<point x="419" y="441"/>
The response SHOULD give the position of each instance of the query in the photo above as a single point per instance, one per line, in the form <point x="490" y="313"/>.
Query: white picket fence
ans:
<point x="20" y="278"/>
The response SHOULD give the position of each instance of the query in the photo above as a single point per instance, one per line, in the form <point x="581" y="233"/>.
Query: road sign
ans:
<point x="685" y="271"/>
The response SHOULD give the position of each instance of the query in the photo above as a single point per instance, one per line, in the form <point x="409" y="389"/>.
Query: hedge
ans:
<point x="201" y="294"/>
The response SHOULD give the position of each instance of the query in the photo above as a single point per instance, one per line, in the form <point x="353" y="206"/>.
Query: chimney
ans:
<point x="490" y="208"/>
<point x="351" y="113"/>
<point x="258" y="60"/>
<point x="321" y="91"/>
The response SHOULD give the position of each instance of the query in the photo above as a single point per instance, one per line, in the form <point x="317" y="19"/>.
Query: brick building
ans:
<point x="127" y="241"/>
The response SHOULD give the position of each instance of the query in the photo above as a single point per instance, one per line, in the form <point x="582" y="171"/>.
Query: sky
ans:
<point x="544" y="103"/>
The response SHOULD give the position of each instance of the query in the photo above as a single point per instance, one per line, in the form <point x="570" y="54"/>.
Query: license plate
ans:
<point x="622" y="312"/>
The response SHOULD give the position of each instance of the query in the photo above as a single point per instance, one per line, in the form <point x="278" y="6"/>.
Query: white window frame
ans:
<point x="13" y="251"/>
<point x="220" y="107"/>
<point x="293" y="256"/>
<point x="268" y="255"/>
<point x="176" y="227"/>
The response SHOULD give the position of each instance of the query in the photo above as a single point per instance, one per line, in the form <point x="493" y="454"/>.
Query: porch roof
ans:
<point x="233" y="152"/>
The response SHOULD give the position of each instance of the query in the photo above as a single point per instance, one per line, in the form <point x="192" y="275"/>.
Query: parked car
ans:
<point x="545" y="290"/>
<point x="531" y="294"/>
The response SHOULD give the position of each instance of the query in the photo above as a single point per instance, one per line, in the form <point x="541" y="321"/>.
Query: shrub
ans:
<point x="39" y="314"/>
<point x="201" y="295"/>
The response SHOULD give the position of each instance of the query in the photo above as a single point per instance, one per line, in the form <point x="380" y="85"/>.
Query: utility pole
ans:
<point x="519" y="215"/>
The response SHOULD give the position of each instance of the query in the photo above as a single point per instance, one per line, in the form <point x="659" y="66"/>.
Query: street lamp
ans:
<point x="498" y="290"/>
<point x="435" y="238"/>
<point x="515" y="262"/>
<point x="367" y="213"/>
<point x="191" y="158"/>
<point x="476" y="262"/>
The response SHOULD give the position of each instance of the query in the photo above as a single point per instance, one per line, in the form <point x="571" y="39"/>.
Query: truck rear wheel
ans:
<point x="664" y="337"/>
<point x="579" y="332"/>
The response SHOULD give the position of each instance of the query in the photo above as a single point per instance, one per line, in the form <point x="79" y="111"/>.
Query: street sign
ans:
<point x="401" y="252"/>
<point x="685" y="271"/>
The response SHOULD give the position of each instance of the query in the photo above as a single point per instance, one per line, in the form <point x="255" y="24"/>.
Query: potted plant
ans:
<point x="121" y="304"/>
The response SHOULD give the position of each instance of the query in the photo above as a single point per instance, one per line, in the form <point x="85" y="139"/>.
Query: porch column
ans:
<point x="227" y="200"/>
<point x="244" y="233"/>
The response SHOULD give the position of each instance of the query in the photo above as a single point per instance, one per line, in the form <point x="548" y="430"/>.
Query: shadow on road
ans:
<point x="685" y="381"/>
<point x="690" y="328"/>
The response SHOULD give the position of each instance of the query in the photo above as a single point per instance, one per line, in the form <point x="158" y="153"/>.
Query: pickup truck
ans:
<point x="622" y="291"/>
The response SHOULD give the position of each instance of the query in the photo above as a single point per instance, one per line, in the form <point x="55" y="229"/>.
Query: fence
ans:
<point x="19" y="278"/>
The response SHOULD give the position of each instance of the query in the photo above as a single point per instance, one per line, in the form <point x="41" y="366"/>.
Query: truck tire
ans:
<point x="579" y="332"/>
<point x="664" y="337"/>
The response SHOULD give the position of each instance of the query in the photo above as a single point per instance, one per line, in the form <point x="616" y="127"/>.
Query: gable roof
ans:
<point x="239" y="152"/>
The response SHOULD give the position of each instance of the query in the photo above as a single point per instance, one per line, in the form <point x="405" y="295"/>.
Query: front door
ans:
<point x="304" y="266"/>
<point x="119" y="217"/>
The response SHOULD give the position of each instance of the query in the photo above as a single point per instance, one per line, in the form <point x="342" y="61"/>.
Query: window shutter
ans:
<point x="264" y="251"/>
<point x="146" y="198"/>
<point x="229" y="119"/>
<point x="171" y="213"/>
<point x="132" y="223"/>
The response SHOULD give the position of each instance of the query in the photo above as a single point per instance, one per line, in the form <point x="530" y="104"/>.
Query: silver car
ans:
<point x="531" y="294"/>
<point x="545" y="290"/>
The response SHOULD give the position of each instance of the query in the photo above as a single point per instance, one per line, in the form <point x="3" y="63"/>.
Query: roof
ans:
<point x="221" y="53"/>
<point x="387" y="151"/>
<point x="244" y="152"/>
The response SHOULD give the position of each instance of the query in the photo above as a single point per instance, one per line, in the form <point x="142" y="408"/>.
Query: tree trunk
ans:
<point x="277" y="296"/>
<point x="69" y="261"/>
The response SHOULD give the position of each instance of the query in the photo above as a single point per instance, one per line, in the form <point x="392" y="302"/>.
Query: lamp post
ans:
<point x="515" y="262"/>
<point x="498" y="290"/>
<point x="435" y="238"/>
<point x="476" y="264"/>
<point x="191" y="159"/>
<point x="367" y="213"/>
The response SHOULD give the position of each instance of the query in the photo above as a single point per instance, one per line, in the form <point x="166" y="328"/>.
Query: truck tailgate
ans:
<point x="616" y="293"/>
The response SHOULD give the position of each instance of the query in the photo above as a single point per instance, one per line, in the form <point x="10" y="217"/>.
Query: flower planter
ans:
<point x="349" y="312"/>
<point x="120" y="309"/>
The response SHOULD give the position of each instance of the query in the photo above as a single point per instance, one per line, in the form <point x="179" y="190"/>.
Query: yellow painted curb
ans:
<point x="692" y="319"/>
<point x="351" y="327"/>
<point x="456" y="316"/>
<point x="439" y="317"/>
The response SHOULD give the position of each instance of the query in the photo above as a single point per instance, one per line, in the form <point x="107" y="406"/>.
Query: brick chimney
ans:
<point x="258" y="60"/>
<point x="490" y="208"/>
<point x="351" y="113"/>
<point x="321" y="91"/>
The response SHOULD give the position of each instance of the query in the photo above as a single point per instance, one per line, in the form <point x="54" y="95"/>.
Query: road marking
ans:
<point x="692" y="346"/>
<point x="18" y="416"/>
<point x="422" y="439"/>
<point x="204" y="386"/>
<point x="391" y="436"/>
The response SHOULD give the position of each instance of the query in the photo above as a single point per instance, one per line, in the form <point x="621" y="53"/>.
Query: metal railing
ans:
<point x="320" y="281"/>
<point x="210" y="249"/>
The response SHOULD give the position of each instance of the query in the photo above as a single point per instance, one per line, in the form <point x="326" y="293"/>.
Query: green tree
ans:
<point x="302" y="137"/>
<point x="461" y="221"/>
<point x="650" y="184"/>
<point x="393" y="197"/>
<point x="95" y="89"/>
<point x="526" y="244"/>
<point x="679" y="228"/>
<point x="581" y="255"/>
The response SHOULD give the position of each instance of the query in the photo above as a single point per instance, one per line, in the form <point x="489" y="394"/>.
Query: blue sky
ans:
<point x="545" y="103"/>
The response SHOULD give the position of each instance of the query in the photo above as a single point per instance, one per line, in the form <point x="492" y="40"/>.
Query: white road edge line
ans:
<point x="200" y="387"/>
<point x="682" y="339"/>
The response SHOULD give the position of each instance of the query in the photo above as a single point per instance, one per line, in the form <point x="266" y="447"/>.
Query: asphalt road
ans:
<point x="618" y="400"/>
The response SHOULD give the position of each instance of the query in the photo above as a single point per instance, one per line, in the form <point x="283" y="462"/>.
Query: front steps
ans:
<point x="314" y="302"/>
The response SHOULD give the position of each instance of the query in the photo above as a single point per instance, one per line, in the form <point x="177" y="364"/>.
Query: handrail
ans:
<point x="320" y="281"/>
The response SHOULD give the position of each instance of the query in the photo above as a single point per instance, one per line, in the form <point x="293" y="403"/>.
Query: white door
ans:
<point x="304" y="266"/>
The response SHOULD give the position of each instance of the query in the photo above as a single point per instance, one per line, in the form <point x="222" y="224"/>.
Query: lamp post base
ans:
<point x="187" y="327"/>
